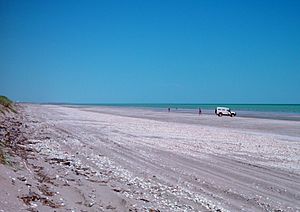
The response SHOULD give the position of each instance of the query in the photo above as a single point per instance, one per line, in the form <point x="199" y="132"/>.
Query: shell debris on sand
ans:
<point x="97" y="159"/>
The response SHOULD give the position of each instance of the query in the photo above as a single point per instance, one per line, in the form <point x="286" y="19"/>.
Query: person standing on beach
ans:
<point x="200" y="111"/>
<point x="169" y="109"/>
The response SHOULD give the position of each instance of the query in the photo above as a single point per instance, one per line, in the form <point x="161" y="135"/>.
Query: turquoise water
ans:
<point x="283" y="108"/>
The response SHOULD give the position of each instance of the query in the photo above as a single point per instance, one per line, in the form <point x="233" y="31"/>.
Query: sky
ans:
<point x="164" y="51"/>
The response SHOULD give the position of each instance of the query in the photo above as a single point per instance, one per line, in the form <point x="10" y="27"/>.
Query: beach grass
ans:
<point x="3" y="159"/>
<point x="4" y="155"/>
<point x="6" y="105"/>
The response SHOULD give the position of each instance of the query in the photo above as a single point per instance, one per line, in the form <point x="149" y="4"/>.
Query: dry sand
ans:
<point x="121" y="159"/>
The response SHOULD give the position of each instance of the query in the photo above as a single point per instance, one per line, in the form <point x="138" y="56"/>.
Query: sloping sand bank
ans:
<point x="119" y="159"/>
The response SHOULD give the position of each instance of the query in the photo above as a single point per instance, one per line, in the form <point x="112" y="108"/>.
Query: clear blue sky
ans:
<point x="150" y="51"/>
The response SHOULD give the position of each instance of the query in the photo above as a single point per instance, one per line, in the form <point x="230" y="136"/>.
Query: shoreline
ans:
<point x="251" y="124"/>
<point x="289" y="116"/>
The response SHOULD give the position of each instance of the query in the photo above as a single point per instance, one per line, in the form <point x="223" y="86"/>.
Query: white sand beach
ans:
<point x="128" y="159"/>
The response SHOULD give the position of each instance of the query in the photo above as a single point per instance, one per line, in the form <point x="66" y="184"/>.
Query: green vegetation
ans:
<point x="6" y="105"/>
<point x="5" y="101"/>
<point x="3" y="159"/>
<point x="4" y="155"/>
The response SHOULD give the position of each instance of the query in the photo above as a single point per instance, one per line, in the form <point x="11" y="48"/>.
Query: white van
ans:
<point x="224" y="111"/>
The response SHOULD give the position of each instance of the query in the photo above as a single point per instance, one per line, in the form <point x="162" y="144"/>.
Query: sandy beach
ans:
<point x="129" y="159"/>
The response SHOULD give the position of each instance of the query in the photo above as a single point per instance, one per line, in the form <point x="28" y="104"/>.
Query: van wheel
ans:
<point x="231" y="115"/>
<point x="220" y="114"/>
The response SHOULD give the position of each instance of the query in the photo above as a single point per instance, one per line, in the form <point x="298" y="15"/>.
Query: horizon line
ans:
<point x="148" y="103"/>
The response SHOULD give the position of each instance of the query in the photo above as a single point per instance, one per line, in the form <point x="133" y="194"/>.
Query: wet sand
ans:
<point x="124" y="159"/>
